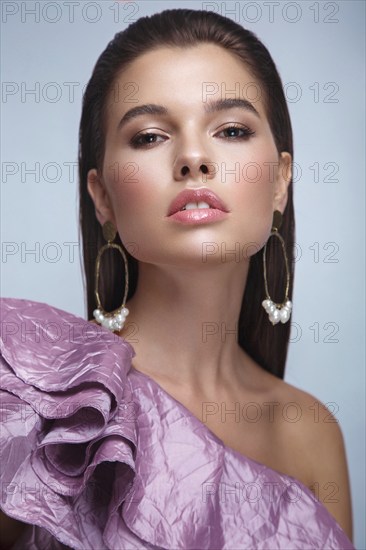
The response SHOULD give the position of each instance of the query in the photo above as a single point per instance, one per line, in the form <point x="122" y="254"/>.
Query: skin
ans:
<point x="178" y="293"/>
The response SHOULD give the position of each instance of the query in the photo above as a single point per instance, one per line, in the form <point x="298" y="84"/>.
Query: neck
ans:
<point x="185" y="323"/>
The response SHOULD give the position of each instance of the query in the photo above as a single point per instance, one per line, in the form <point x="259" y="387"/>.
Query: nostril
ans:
<point x="185" y="169"/>
<point x="204" y="168"/>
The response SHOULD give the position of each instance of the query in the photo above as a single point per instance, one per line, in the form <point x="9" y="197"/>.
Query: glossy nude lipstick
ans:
<point x="197" y="206"/>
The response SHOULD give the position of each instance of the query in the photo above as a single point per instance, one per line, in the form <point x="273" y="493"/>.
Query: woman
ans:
<point x="186" y="439"/>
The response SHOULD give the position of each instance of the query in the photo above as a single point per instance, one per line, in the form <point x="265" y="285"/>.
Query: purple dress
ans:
<point x="96" y="455"/>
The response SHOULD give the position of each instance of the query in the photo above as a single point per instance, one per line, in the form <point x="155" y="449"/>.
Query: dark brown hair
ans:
<point x="184" y="28"/>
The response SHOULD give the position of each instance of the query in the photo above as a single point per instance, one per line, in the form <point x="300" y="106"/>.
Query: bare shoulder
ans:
<point x="317" y="445"/>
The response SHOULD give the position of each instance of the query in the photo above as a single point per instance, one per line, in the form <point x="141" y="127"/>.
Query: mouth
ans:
<point x="195" y="206"/>
<point x="196" y="199"/>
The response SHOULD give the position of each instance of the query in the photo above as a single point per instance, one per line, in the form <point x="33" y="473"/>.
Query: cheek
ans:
<point x="134" y="191"/>
<point x="253" y="204"/>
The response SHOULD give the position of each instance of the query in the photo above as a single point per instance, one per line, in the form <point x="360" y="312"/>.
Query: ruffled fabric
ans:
<point x="96" y="455"/>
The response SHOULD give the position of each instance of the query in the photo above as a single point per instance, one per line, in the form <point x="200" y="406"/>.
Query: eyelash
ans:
<point x="135" y="142"/>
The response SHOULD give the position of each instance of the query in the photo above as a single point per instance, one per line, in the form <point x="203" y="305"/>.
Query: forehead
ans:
<point x="184" y="78"/>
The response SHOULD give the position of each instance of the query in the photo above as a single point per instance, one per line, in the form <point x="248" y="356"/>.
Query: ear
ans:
<point x="282" y="182"/>
<point x="99" y="195"/>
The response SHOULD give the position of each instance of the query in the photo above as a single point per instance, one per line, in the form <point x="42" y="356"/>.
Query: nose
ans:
<point x="195" y="166"/>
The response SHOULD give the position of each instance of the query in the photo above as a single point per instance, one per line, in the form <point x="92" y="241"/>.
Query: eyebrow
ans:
<point x="212" y="106"/>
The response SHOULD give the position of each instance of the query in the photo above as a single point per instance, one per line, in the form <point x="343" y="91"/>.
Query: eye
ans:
<point x="144" y="139"/>
<point x="147" y="139"/>
<point x="234" y="129"/>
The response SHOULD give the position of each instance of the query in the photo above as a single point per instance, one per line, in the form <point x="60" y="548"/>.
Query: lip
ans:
<point x="198" y="216"/>
<point x="196" y="195"/>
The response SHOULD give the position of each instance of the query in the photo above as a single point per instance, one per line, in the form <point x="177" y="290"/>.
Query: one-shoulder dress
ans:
<point x="97" y="455"/>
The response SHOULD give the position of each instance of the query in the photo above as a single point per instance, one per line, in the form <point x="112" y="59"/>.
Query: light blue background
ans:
<point x="317" y="46"/>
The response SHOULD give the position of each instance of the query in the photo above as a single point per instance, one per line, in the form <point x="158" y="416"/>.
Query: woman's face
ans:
<point x="150" y="158"/>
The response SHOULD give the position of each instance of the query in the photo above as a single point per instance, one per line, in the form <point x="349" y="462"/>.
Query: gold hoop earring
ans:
<point x="282" y="311"/>
<point x="115" y="319"/>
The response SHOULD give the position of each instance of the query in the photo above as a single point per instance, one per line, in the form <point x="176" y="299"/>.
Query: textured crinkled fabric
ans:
<point x="96" y="455"/>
